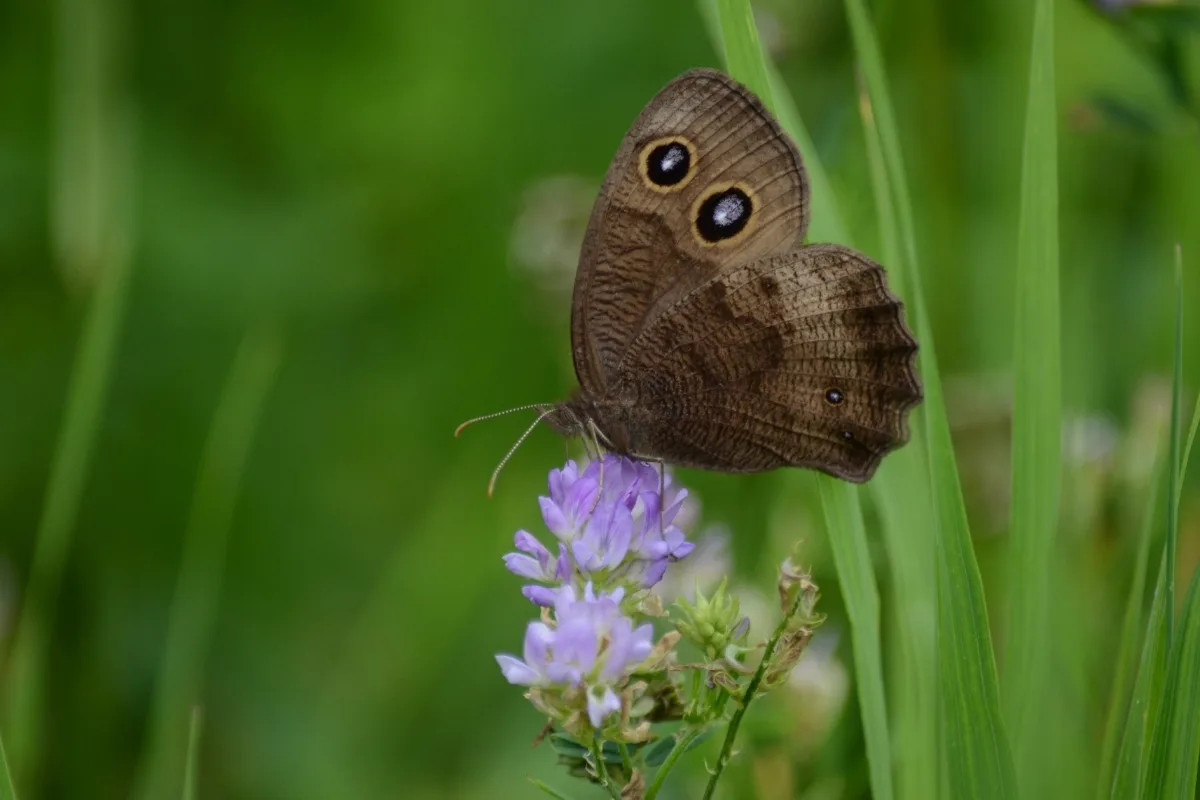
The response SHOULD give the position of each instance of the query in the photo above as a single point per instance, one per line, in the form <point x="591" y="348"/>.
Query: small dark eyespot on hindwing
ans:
<point x="723" y="215"/>
<point x="834" y="396"/>
<point x="848" y="436"/>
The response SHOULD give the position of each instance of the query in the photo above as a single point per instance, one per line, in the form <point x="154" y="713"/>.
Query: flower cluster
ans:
<point x="616" y="531"/>
<point x="590" y="663"/>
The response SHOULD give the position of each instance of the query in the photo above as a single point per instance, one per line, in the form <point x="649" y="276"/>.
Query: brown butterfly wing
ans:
<point x="801" y="359"/>
<point x="703" y="141"/>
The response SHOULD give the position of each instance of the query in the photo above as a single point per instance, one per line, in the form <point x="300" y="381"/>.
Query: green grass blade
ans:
<point x="1183" y="746"/>
<point x="1143" y="764"/>
<point x="7" y="790"/>
<point x="1143" y="705"/>
<point x="977" y="756"/>
<point x="1131" y="630"/>
<point x="191" y="768"/>
<point x="1037" y="423"/>
<point x="1176" y="733"/>
<point x="1175" y="466"/>
<point x="901" y="490"/>
<point x="92" y="238"/>
<point x="744" y="58"/>
<point x="197" y="592"/>
<point x="856" y="576"/>
<point x="746" y="62"/>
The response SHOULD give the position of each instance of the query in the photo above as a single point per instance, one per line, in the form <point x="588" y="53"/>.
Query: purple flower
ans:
<point x="572" y="498"/>
<point x="592" y="645"/>
<point x="537" y="565"/>
<point x="612" y="524"/>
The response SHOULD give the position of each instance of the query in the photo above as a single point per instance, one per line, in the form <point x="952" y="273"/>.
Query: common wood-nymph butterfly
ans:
<point x="705" y="333"/>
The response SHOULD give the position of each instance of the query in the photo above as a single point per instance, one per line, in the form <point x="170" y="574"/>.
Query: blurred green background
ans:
<point x="387" y="199"/>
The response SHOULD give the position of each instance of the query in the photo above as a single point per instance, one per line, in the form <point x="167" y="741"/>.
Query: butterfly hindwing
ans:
<point x="801" y="359"/>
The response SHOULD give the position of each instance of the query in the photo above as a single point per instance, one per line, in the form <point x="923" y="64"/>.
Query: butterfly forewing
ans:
<point x="704" y="180"/>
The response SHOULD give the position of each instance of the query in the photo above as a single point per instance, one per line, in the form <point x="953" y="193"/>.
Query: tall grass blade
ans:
<point x="746" y="62"/>
<point x="901" y="490"/>
<point x="977" y="757"/>
<point x="92" y="238"/>
<point x="1131" y="630"/>
<point x="1143" y="705"/>
<point x="1037" y="424"/>
<point x="1176" y="737"/>
<point x="191" y="768"/>
<point x="7" y="790"/>
<point x="1182" y="751"/>
<point x="1141" y="768"/>
<point x="744" y="59"/>
<point x="197" y="592"/>
<point x="856" y="577"/>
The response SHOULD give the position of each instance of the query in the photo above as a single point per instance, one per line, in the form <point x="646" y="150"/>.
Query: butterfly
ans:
<point x="705" y="333"/>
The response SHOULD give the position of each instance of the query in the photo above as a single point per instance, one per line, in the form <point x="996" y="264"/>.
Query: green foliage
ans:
<point x="1037" y="426"/>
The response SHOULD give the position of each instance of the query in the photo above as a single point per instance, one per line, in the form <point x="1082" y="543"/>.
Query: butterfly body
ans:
<point x="704" y="332"/>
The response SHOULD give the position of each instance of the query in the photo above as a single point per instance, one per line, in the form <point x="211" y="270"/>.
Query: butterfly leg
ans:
<point x="595" y="441"/>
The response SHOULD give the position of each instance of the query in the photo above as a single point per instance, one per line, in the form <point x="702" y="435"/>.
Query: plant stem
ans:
<point x="626" y="759"/>
<point x="751" y="689"/>
<point x="680" y="748"/>
<point x="601" y="772"/>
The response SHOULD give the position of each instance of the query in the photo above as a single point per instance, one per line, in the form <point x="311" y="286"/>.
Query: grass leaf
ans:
<point x="746" y="62"/>
<point x="856" y="578"/>
<point x="1131" y="631"/>
<point x="7" y="790"/>
<point x="92" y="235"/>
<point x="197" y="592"/>
<point x="1175" y="739"/>
<point x="191" y="768"/>
<point x="1037" y="419"/>
<point x="977" y="758"/>
<point x="902" y="493"/>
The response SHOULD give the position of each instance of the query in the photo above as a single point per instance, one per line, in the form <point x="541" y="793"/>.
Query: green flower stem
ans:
<point x="601" y="772"/>
<point x="680" y="748"/>
<point x="626" y="759"/>
<point x="751" y="689"/>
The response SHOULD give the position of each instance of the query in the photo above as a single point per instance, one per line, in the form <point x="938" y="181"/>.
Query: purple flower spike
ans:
<point x="617" y="534"/>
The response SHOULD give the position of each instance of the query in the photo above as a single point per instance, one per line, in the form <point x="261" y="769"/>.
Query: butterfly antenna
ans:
<point x="538" y="406"/>
<point x="513" y="449"/>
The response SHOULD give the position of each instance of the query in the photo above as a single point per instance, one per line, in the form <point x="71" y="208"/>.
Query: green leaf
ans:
<point x="92" y="212"/>
<point x="744" y="59"/>
<point x="191" y="768"/>
<point x="746" y="62"/>
<point x="1183" y="683"/>
<point x="7" y="790"/>
<point x="656" y="753"/>
<point x="564" y="745"/>
<point x="1153" y="733"/>
<point x="1037" y="423"/>
<point x="1131" y="629"/>
<point x="976" y="757"/>
<point x="546" y="788"/>
<point x="194" y="604"/>
<point x="902" y="492"/>
<point x="856" y="577"/>
<point x="1143" y="706"/>
<point x="1175" y="739"/>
